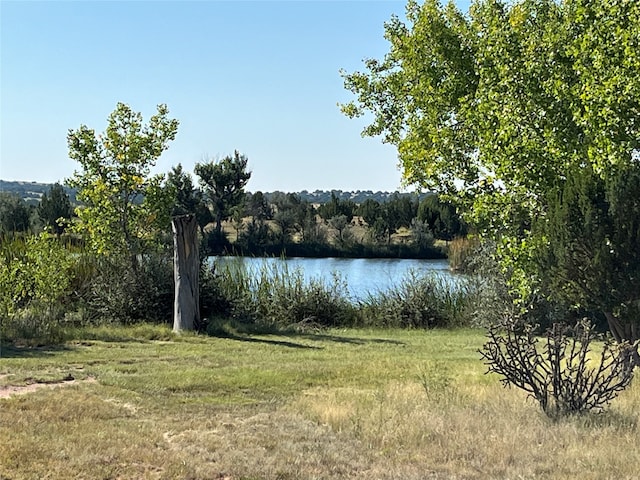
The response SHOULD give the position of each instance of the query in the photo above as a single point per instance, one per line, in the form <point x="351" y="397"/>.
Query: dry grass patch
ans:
<point x="478" y="431"/>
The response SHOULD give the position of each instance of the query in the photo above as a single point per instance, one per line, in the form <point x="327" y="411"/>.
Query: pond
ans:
<point x="363" y="276"/>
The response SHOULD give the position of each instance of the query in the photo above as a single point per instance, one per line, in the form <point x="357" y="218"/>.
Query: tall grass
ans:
<point x="461" y="251"/>
<point x="274" y="295"/>
<point x="421" y="301"/>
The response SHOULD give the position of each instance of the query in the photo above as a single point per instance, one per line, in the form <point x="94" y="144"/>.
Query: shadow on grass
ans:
<point x="16" y="351"/>
<point x="320" y="337"/>
<point x="249" y="332"/>
<point x="251" y="339"/>
<point x="609" y="419"/>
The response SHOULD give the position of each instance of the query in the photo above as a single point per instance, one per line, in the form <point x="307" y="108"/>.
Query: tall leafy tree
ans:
<point x="496" y="109"/>
<point x="55" y="209"/>
<point x="223" y="183"/>
<point x="123" y="205"/>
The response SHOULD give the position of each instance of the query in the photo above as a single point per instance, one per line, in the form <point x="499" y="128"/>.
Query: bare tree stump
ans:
<point x="186" y="272"/>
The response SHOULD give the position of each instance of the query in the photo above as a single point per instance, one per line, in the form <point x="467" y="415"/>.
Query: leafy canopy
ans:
<point x="495" y="108"/>
<point x="123" y="205"/>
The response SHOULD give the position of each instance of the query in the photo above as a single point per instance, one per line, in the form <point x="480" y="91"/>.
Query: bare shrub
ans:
<point x="558" y="369"/>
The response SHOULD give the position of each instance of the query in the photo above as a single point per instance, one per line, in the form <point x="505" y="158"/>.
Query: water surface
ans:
<point x="363" y="276"/>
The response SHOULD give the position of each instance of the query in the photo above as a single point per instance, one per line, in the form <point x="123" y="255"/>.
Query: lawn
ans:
<point x="366" y="404"/>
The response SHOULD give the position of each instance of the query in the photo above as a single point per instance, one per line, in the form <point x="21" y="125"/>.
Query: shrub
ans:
<point x="35" y="281"/>
<point x="118" y="293"/>
<point x="426" y="301"/>
<point x="277" y="297"/>
<point x="558" y="373"/>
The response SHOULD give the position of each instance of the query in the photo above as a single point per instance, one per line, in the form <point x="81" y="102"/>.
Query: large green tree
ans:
<point x="223" y="183"/>
<point x="123" y="207"/>
<point x="496" y="108"/>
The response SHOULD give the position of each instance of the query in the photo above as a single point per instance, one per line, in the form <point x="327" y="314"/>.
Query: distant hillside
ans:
<point x="359" y="196"/>
<point x="32" y="192"/>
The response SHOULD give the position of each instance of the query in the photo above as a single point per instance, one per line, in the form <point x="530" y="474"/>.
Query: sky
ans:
<point x="260" y="77"/>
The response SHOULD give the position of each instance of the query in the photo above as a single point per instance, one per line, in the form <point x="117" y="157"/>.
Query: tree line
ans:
<point x="115" y="211"/>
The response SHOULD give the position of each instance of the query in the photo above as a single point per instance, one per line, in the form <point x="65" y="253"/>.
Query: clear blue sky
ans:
<point x="260" y="77"/>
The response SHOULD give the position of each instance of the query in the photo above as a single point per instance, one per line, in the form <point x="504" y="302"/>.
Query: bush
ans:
<point x="121" y="294"/>
<point x="558" y="374"/>
<point x="35" y="281"/>
<point x="277" y="297"/>
<point x="420" y="302"/>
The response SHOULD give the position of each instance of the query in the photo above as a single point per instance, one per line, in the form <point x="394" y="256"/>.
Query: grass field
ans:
<point x="365" y="404"/>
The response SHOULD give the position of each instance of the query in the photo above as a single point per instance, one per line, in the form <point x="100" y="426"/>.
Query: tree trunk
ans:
<point x="624" y="332"/>
<point x="186" y="271"/>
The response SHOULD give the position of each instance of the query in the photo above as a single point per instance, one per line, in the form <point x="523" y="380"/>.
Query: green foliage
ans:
<point x="14" y="214"/>
<point x="223" y="183"/>
<point x="335" y="207"/>
<point x="421" y="301"/>
<point x="55" y="209"/>
<point x="123" y="207"/>
<point x="441" y="217"/>
<point x="275" y="296"/>
<point x="369" y="210"/>
<point x="256" y="237"/>
<point x="258" y="206"/>
<point x="187" y="198"/>
<point x="35" y="281"/>
<point x="495" y="109"/>
<point x="118" y="294"/>
<point x="590" y="256"/>
<point x="422" y="234"/>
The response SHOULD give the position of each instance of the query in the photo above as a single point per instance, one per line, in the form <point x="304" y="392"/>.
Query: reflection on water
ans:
<point x="362" y="275"/>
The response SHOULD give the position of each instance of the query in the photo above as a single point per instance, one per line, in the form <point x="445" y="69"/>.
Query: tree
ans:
<point x="400" y="211"/>
<point x="223" y="183"/>
<point x="14" y="213"/>
<point x="54" y="209"/>
<point x="340" y="224"/>
<point x="589" y="253"/>
<point x="369" y="210"/>
<point x="441" y="217"/>
<point x="237" y="219"/>
<point x="123" y="206"/>
<point x="495" y="110"/>
<point x="187" y="198"/>
<point x="258" y="206"/>
<point x="335" y="207"/>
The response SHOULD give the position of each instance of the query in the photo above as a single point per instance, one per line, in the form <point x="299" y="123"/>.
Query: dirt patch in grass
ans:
<point x="7" y="391"/>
